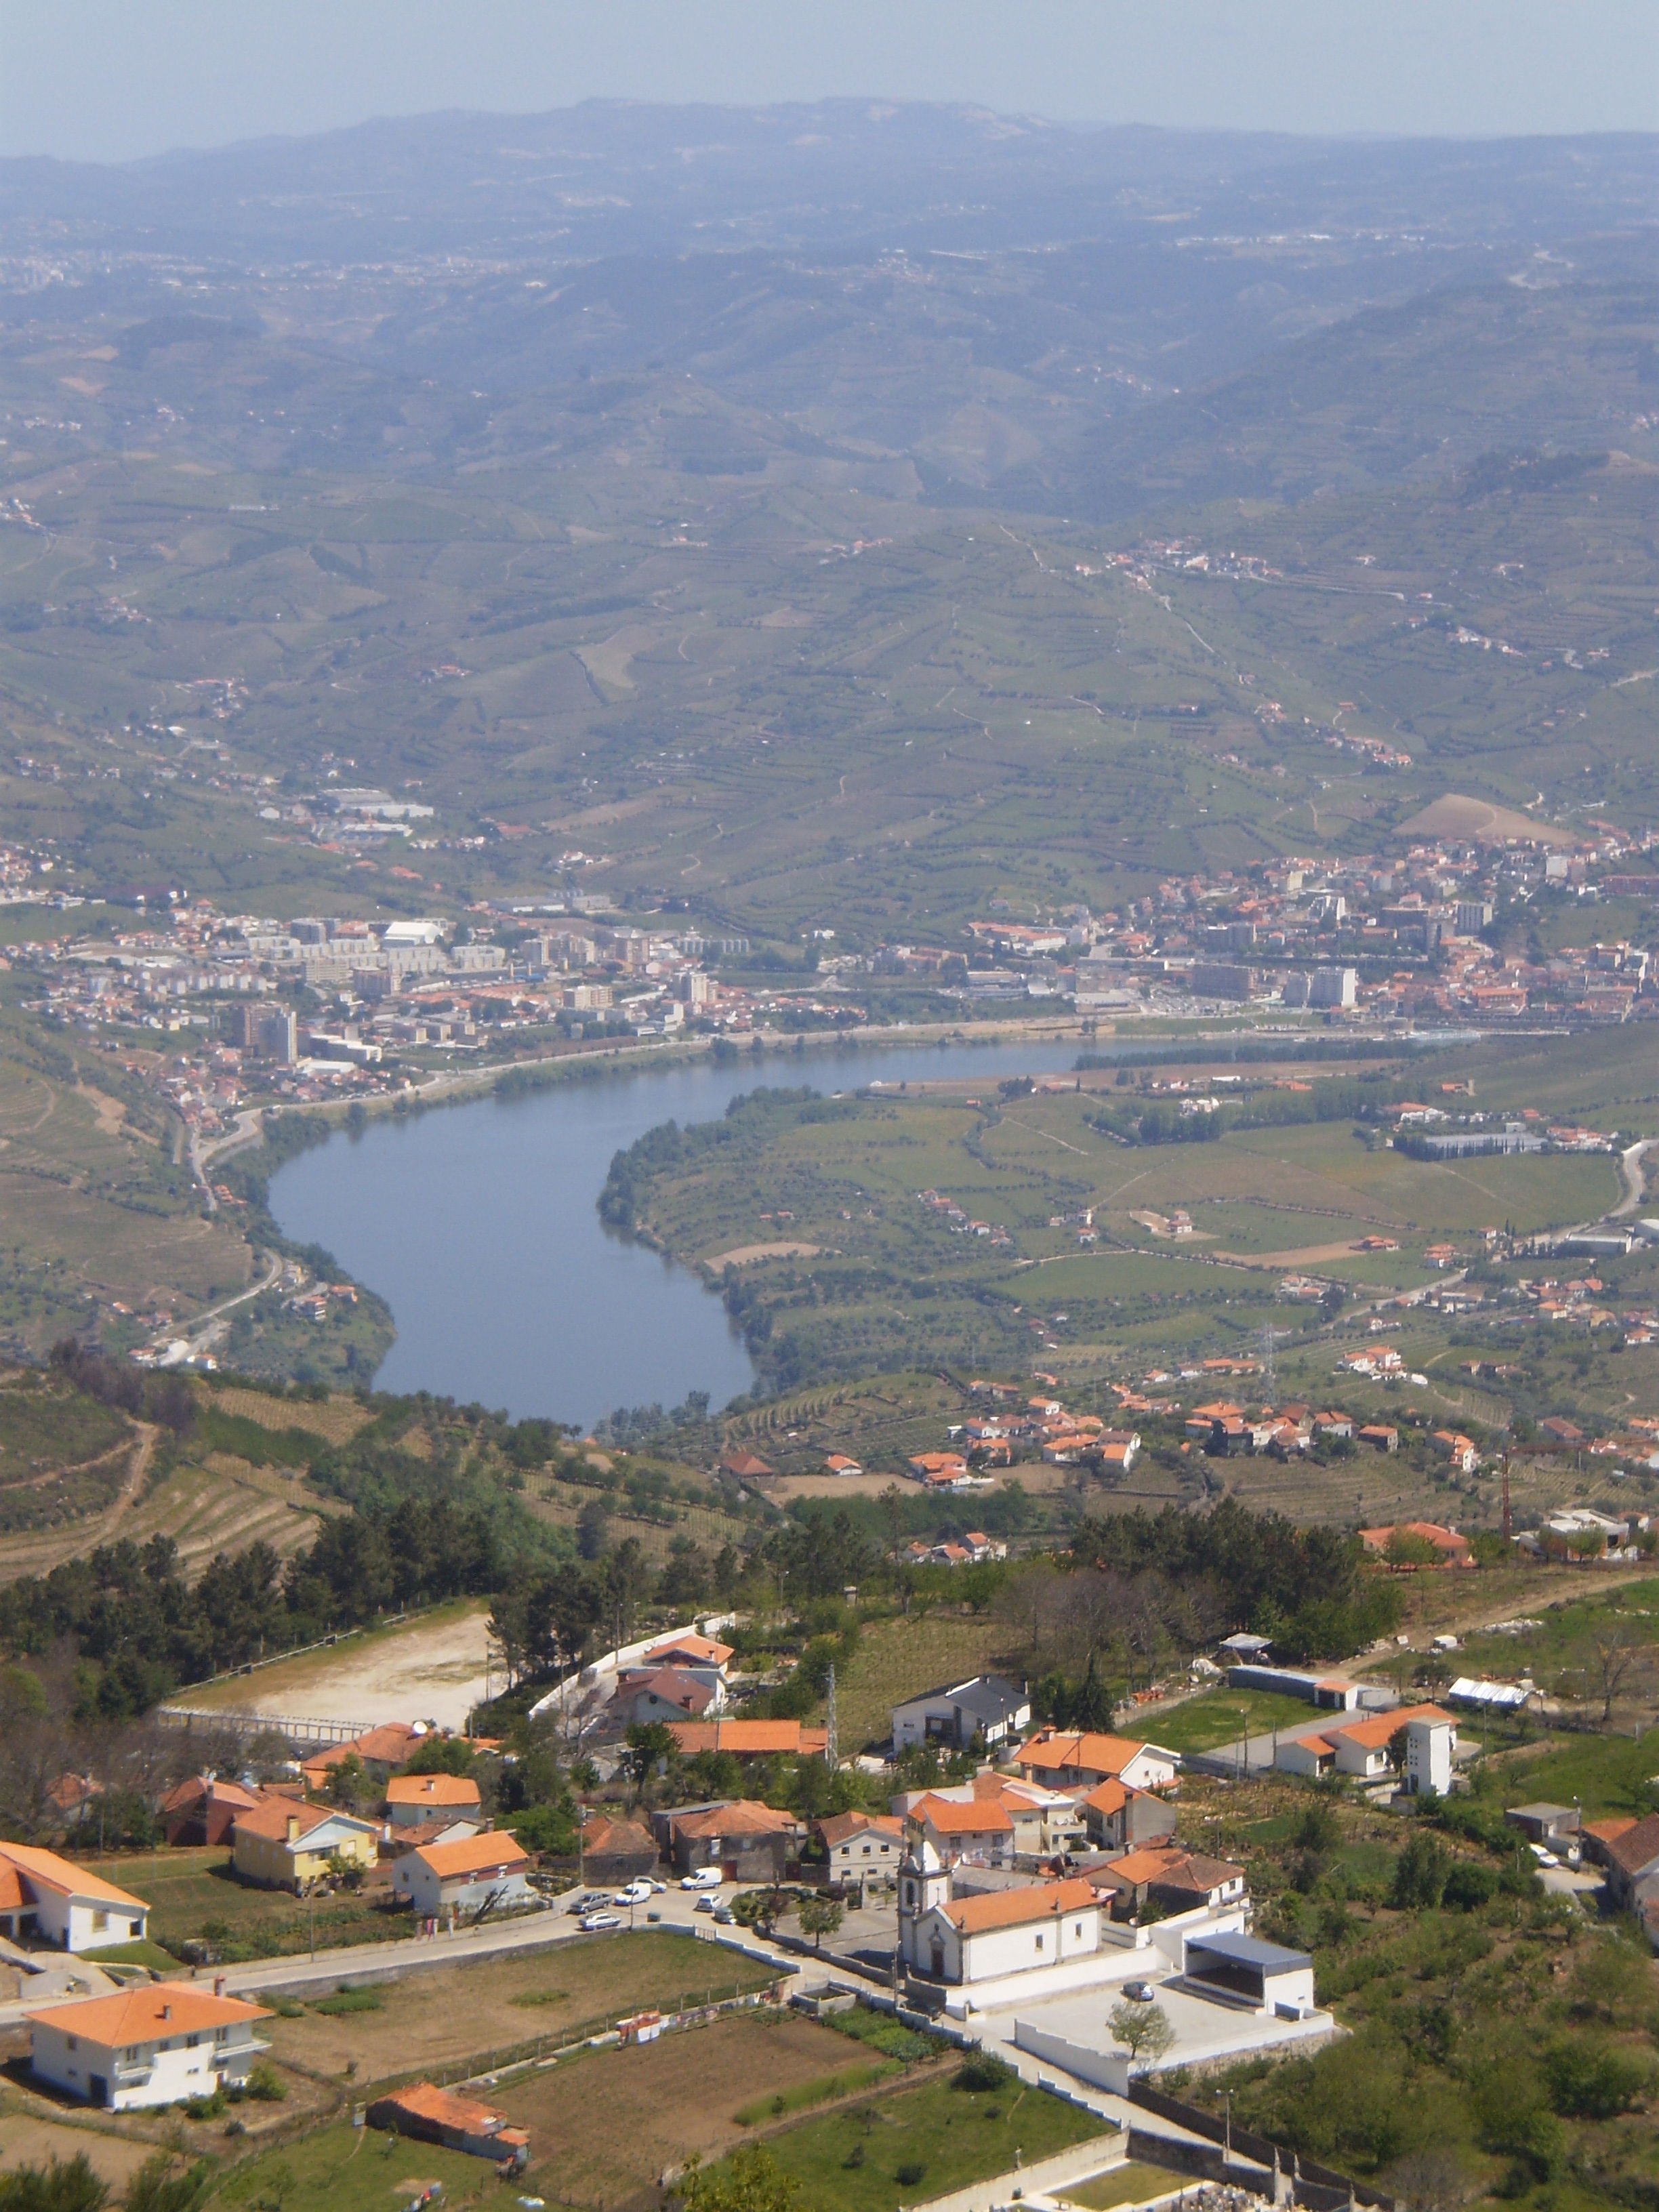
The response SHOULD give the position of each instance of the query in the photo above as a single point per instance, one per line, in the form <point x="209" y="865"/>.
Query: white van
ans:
<point x="705" y="1878"/>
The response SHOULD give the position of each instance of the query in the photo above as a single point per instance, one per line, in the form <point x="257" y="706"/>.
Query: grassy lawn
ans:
<point x="1132" y="2183"/>
<point x="924" y="2143"/>
<point x="1218" y="1717"/>
<point x="142" y="1953"/>
<point x="194" y="1896"/>
<point x="346" y="2169"/>
<point x="1606" y="1774"/>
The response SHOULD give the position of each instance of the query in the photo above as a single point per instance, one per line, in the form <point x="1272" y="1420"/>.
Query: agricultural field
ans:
<point x="439" y="2018"/>
<point x="611" y="2122"/>
<point x="340" y="2168"/>
<point x="903" y="1656"/>
<point x="196" y="1898"/>
<point x="1218" y="1717"/>
<point x="96" y="1211"/>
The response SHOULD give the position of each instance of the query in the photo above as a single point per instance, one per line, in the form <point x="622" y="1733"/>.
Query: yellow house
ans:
<point x="287" y="1845"/>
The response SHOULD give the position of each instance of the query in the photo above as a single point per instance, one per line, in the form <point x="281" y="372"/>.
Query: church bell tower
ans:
<point x="923" y="1880"/>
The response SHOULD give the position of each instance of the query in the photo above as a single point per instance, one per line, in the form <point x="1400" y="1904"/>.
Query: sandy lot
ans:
<point x="27" y="2142"/>
<point x="610" y="2123"/>
<point x="741" y="1255"/>
<point x="1305" y="1255"/>
<point x="433" y="1670"/>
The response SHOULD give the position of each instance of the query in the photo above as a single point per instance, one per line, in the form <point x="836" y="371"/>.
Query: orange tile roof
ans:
<point x="840" y="1827"/>
<point x="12" y="1898"/>
<point x="1109" y="1796"/>
<point x="270" y="1819"/>
<point x="753" y="1738"/>
<point x="45" y="1870"/>
<point x="743" y="1817"/>
<point x="148" y="2015"/>
<point x="1104" y="1754"/>
<point x="701" y="1648"/>
<point x="1010" y="1908"/>
<point x="473" y="1854"/>
<point x="1373" y="1735"/>
<point x="948" y="1817"/>
<point x="1608" y="1831"/>
<point x="431" y="1790"/>
<point x="424" y="2100"/>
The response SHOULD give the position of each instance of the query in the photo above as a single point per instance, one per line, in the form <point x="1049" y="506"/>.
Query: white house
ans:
<point x="50" y="1897"/>
<point x="1073" y="1760"/>
<point x="482" y="1870"/>
<point x="991" y="1707"/>
<point x="153" y="2045"/>
<point x="412" y="1799"/>
<point x="861" y="1847"/>
<point x="1361" y="1748"/>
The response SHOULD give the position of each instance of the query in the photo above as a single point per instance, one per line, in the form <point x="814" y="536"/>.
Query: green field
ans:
<point x="1218" y="1717"/>
<point x="925" y="2142"/>
<point x="345" y="2169"/>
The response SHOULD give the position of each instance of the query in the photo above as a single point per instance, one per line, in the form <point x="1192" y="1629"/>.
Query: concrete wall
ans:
<point x="1063" y="2170"/>
<point x="1103" y="2070"/>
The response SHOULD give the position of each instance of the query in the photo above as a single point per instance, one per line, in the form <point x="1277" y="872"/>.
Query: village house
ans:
<point x="381" y="1750"/>
<point x="1119" y="1818"/>
<point x="477" y="1874"/>
<point x="204" y="1809"/>
<point x="155" y="2045"/>
<point x="663" y="1693"/>
<point x="1453" y="1446"/>
<point x="989" y="1709"/>
<point x="53" y="1901"/>
<point x="744" y="1739"/>
<point x="747" y="1841"/>
<point x="980" y="1831"/>
<point x="618" y="1851"/>
<point x="1453" y="1548"/>
<point x="1178" y="1879"/>
<point x="1061" y="1761"/>
<point x="860" y="1848"/>
<point x="1361" y="1749"/>
<point x="283" y="1845"/>
<point x="412" y="1800"/>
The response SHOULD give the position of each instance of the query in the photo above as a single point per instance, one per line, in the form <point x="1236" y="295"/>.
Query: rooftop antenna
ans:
<point x="831" y="1748"/>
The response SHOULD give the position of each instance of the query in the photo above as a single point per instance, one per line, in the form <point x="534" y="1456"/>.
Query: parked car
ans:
<point x="1139" y="1992"/>
<point x="1544" y="1857"/>
<point x="590" y="1921"/>
<point x="632" y="1892"/>
<point x="658" y="1889"/>
<point x="724" y="1915"/>
<point x="705" y="1905"/>
<point x="703" y="1878"/>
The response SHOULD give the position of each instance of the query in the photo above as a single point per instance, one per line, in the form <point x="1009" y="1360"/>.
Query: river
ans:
<point x="477" y="1223"/>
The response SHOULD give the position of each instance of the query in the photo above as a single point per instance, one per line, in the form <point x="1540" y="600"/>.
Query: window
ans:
<point x="73" y="2042"/>
<point x="99" y="1922"/>
<point x="1039" y="1942"/>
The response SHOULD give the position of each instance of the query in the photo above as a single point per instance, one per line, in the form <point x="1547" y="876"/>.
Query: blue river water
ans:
<point x="479" y="1226"/>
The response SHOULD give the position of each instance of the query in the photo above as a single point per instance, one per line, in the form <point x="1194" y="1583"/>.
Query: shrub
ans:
<point x="266" y="2085"/>
<point x="1468" y="1886"/>
<point x="1589" y="2080"/>
<point x="346" y="1999"/>
<point x="909" y="2173"/>
<point x="983" y="2069"/>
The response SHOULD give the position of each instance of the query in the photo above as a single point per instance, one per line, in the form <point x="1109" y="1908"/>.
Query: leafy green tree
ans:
<point x="750" y="2180"/>
<point x="1419" y="1875"/>
<point x="1146" y="2031"/>
<point x="442" y="1755"/>
<point x="161" y="2184"/>
<point x="1592" y="2079"/>
<point x="819" y="1917"/>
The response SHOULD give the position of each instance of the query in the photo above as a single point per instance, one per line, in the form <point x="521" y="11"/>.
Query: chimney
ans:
<point x="218" y="1986"/>
<point x="293" y="1828"/>
<point x="167" y="2011"/>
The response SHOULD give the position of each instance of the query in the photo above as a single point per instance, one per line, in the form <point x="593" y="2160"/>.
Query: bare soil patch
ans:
<point x="337" y="1420"/>
<point x="433" y="1670"/>
<point x="436" y="2017"/>
<point x="26" y="2140"/>
<point x="741" y="1255"/>
<point x="613" y="2121"/>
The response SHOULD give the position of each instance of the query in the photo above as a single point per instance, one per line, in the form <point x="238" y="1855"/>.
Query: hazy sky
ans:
<point x="109" y="79"/>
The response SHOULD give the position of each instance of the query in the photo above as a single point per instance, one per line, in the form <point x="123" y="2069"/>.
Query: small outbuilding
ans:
<point x="432" y="2115"/>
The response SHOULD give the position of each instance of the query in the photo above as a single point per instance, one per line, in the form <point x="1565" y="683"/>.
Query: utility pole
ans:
<point x="831" y="1746"/>
<point x="1508" y="1530"/>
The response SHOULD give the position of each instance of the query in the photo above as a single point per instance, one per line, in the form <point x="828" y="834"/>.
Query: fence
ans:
<point x="298" y="1730"/>
<point x="1260" y="2149"/>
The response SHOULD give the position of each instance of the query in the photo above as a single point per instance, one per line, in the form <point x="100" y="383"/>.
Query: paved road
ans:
<point x="531" y="1932"/>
